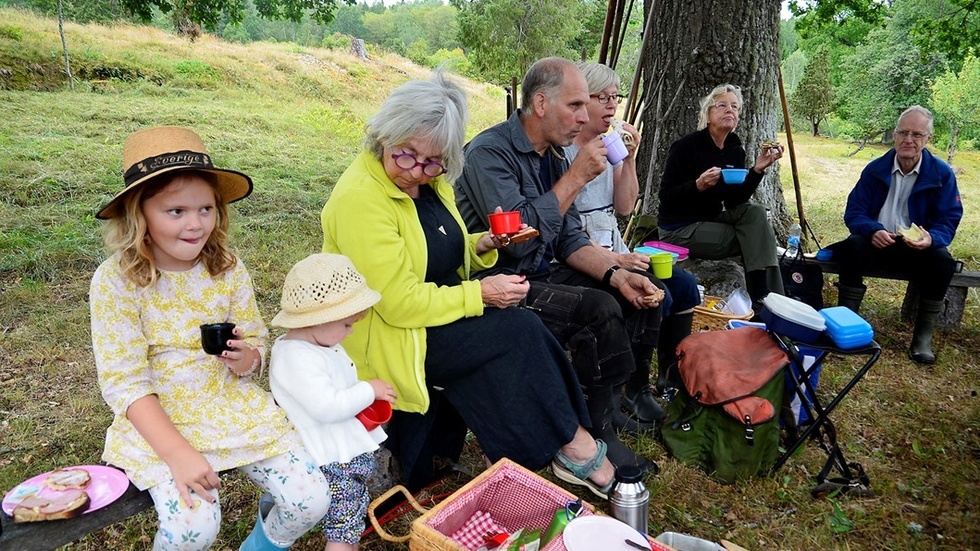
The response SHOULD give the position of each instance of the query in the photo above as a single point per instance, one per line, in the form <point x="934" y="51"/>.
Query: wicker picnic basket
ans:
<point x="709" y="318"/>
<point x="513" y="496"/>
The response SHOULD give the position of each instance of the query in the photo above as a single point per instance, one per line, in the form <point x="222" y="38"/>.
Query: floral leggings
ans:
<point x="294" y="481"/>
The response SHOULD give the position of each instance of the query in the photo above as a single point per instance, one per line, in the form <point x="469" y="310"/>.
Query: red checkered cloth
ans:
<point x="471" y="534"/>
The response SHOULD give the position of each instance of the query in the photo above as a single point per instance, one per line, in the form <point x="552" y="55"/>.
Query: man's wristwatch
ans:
<point x="607" y="277"/>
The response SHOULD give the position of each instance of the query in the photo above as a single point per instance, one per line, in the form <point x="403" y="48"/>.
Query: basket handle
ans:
<point x="381" y="499"/>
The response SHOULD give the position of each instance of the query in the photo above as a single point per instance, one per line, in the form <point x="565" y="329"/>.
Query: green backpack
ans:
<point x="726" y="419"/>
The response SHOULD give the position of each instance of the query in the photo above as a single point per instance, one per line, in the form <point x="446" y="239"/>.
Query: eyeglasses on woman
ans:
<point x="604" y="98"/>
<point x="408" y="161"/>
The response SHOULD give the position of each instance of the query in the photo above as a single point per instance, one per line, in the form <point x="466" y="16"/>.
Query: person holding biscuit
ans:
<point x="460" y="352"/>
<point x="613" y="192"/>
<point x="713" y="218"/>
<point x="906" y="189"/>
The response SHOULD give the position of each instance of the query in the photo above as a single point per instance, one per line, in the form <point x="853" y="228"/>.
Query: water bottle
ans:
<point x="629" y="499"/>
<point x="793" y="240"/>
<point x="563" y="516"/>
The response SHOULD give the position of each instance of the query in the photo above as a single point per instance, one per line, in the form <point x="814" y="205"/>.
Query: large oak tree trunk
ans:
<point x="696" y="45"/>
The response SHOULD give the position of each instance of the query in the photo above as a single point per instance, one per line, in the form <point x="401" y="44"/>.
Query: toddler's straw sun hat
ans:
<point x="154" y="151"/>
<point x="320" y="288"/>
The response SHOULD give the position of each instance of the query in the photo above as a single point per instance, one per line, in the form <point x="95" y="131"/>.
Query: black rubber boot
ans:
<point x="626" y="421"/>
<point x="850" y="296"/>
<point x="600" y="404"/>
<point x="638" y="396"/>
<point x="673" y="329"/>
<point x="925" y="325"/>
<point x="757" y="287"/>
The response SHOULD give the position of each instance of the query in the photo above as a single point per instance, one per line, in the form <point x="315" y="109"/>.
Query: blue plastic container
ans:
<point x="847" y="329"/>
<point x="649" y="251"/>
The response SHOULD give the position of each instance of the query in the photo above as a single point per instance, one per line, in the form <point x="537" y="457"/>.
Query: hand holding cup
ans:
<point x="615" y="148"/>
<point x="215" y="337"/>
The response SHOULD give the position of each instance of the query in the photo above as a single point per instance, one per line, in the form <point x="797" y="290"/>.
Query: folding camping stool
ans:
<point x="818" y="424"/>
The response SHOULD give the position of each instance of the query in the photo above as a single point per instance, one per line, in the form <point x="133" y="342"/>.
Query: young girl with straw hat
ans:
<point x="181" y="416"/>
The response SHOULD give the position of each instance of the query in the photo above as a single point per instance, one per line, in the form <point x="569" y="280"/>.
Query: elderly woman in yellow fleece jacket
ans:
<point x="453" y="348"/>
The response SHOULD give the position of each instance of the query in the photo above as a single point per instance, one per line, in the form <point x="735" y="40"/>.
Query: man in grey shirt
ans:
<point x="607" y="317"/>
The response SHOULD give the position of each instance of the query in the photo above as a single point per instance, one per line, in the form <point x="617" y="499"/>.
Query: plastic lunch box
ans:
<point x="795" y="319"/>
<point x="649" y="251"/>
<point x="847" y="329"/>
<point x="681" y="252"/>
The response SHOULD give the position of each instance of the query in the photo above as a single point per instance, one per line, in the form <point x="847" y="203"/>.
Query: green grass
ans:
<point x="292" y="118"/>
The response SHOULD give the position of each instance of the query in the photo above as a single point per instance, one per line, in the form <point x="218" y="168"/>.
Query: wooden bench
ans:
<point x="952" y="314"/>
<point x="48" y="535"/>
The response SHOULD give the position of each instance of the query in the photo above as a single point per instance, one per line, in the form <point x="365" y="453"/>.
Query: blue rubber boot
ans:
<point x="257" y="540"/>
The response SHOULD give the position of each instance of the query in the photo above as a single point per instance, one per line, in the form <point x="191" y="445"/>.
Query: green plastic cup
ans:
<point x="662" y="265"/>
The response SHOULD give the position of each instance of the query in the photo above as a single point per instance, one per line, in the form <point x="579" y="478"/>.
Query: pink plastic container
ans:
<point x="682" y="252"/>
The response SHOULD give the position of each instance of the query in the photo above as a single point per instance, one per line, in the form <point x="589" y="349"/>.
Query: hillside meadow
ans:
<point x="292" y="118"/>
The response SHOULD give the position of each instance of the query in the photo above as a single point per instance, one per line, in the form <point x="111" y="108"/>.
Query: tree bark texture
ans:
<point x="694" y="46"/>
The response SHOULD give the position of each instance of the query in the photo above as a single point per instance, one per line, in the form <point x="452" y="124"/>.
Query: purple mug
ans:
<point x="615" y="148"/>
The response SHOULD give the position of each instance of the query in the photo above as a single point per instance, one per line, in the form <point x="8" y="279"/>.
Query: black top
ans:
<point x="443" y="239"/>
<point x="680" y="201"/>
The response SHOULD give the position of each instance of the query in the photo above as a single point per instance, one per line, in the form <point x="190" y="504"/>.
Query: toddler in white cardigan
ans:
<point x="315" y="382"/>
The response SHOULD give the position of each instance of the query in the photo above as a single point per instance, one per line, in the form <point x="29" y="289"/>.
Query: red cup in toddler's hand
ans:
<point x="504" y="223"/>
<point x="375" y="415"/>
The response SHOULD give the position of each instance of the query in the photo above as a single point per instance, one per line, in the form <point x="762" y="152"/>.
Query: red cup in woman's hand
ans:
<point x="375" y="415"/>
<point x="504" y="223"/>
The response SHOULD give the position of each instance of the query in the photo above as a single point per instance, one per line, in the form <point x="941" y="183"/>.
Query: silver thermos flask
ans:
<point x="629" y="499"/>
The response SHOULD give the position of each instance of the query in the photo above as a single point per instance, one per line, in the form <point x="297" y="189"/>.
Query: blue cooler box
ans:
<point x="847" y="329"/>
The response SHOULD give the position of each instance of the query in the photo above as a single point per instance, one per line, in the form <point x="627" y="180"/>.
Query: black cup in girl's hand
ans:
<point x="215" y="337"/>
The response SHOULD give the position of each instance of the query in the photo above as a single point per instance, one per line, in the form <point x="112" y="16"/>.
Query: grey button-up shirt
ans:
<point x="503" y="169"/>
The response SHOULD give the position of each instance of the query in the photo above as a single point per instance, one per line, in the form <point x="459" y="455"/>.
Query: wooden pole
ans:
<point x="624" y="22"/>
<point x="792" y="154"/>
<point x="633" y="216"/>
<point x="632" y="107"/>
<point x="606" y="30"/>
<point x="614" y="40"/>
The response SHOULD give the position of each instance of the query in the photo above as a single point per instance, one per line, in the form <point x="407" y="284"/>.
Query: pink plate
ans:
<point x="107" y="485"/>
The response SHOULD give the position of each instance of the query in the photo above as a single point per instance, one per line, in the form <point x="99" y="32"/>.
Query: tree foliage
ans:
<point x="421" y="28"/>
<point x="504" y="37"/>
<point x="951" y="27"/>
<point x="813" y="97"/>
<point x="886" y="74"/>
<point x="209" y="12"/>
<point x="80" y="11"/>
<point x="956" y="100"/>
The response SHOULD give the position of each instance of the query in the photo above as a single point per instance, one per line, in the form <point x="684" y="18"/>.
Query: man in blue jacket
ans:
<point x="906" y="187"/>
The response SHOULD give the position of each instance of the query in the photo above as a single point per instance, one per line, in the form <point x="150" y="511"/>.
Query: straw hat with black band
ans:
<point x="154" y="151"/>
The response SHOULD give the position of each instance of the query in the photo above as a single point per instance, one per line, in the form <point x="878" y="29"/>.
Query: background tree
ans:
<point x="208" y="13"/>
<point x="349" y="20"/>
<point x="949" y="27"/>
<point x="886" y="74"/>
<point x="695" y="46"/>
<point x="504" y="37"/>
<point x="956" y="100"/>
<point x="813" y="98"/>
